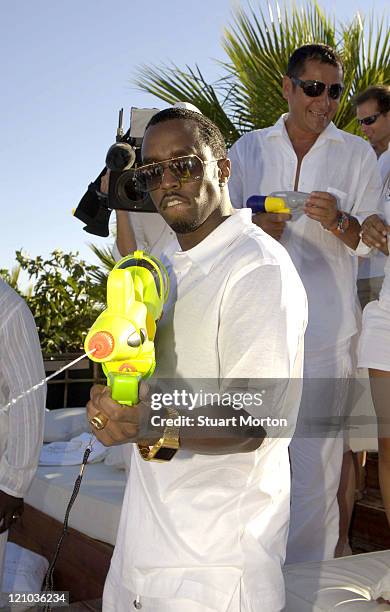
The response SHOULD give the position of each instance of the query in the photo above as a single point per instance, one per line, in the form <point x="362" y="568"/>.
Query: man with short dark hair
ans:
<point x="373" y="115"/>
<point x="304" y="151"/>
<point x="206" y="530"/>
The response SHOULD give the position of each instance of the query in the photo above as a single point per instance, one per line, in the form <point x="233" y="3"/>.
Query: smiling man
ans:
<point x="205" y="530"/>
<point x="304" y="151"/>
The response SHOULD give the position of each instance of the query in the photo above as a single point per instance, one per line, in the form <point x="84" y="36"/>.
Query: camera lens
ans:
<point x="125" y="189"/>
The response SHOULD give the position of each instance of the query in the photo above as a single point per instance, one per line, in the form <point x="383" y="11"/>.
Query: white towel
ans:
<point x="72" y="452"/>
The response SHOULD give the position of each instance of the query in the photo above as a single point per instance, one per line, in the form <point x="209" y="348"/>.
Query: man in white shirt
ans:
<point x="304" y="151"/>
<point x="207" y="531"/>
<point x="373" y="115"/>
<point x="21" y="425"/>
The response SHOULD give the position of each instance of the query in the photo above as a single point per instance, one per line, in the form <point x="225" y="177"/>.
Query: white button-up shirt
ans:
<point x="264" y="161"/>
<point x="375" y="264"/>
<point x="195" y="527"/>
<point x="21" y="367"/>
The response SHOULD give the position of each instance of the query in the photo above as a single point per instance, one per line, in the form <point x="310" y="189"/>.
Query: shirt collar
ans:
<point x="207" y="253"/>
<point x="331" y="132"/>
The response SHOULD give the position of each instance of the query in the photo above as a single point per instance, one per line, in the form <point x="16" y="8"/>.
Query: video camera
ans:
<point x="94" y="208"/>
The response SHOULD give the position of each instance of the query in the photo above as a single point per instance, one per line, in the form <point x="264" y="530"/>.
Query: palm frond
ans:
<point x="99" y="275"/>
<point x="171" y="84"/>
<point x="258" y="44"/>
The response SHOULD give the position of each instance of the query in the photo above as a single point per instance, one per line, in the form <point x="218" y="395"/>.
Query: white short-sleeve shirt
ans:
<point x="198" y="526"/>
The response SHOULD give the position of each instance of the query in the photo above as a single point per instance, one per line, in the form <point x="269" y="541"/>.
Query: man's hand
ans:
<point x="121" y="423"/>
<point x="374" y="233"/>
<point x="321" y="206"/>
<point x="272" y="223"/>
<point x="11" y="508"/>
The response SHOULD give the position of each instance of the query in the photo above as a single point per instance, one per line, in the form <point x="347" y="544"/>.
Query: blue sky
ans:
<point x="66" y="70"/>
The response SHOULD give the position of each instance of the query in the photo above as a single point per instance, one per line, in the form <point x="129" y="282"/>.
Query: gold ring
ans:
<point x="99" y="421"/>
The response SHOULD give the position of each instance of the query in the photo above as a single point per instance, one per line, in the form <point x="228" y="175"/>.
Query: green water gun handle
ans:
<point x="124" y="387"/>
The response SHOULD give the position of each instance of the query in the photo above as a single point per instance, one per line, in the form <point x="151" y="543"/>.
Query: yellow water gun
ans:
<point x="122" y="337"/>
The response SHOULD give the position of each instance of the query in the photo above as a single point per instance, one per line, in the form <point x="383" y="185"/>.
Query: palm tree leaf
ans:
<point x="171" y="84"/>
<point x="258" y="44"/>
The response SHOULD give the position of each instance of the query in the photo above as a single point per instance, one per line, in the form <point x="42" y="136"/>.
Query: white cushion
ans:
<point x="97" y="508"/>
<point x="347" y="584"/>
<point x="64" y="424"/>
<point x="24" y="570"/>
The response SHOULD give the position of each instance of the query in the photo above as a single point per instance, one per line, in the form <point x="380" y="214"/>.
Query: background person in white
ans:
<point x="305" y="151"/>
<point x="21" y="426"/>
<point x="207" y="532"/>
<point x="373" y="114"/>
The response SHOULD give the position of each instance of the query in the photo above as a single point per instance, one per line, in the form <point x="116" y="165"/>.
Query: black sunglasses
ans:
<point x="186" y="168"/>
<point x="369" y="120"/>
<point x="313" y="89"/>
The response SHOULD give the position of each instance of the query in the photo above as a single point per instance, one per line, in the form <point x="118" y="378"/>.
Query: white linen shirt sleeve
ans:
<point x="140" y="237"/>
<point x="21" y="367"/>
<point x="115" y="252"/>
<point x="368" y="198"/>
<point x="368" y="192"/>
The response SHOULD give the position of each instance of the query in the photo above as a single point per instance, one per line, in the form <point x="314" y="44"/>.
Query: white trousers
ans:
<point x="316" y="454"/>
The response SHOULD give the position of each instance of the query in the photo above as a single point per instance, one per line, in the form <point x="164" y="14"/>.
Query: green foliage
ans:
<point x="258" y="45"/>
<point x="11" y="277"/>
<point x="65" y="300"/>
